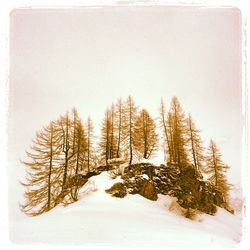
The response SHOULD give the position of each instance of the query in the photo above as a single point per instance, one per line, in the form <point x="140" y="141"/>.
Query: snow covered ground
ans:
<point x="99" y="219"/>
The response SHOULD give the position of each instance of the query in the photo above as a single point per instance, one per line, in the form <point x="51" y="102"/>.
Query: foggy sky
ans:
<point x="87" y="58"/>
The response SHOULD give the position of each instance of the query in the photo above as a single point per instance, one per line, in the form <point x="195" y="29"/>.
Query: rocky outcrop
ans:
<point x="186" y="185"/>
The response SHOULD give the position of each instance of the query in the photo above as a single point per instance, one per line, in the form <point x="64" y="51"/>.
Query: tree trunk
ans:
<point x="165" y="131"/>
<point x="215" y="167"/>
<point x="112" y="134"/>
<point x="145" y="134"/>
<point x="192" y="142"/>
<point x="88" y="150"/>
<point x="66" y="150"/>
<point x="119" y="131"/>
<point x="130" y="134"/>
<point x="50" y="166"/>
<point x="107" y="140"/>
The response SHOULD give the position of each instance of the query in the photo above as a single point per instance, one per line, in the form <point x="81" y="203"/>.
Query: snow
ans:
<point x="99" y="219"/>
<point x="141" y="160"/>
<point x="116" y="161"/>
<point x="144" y="176"/>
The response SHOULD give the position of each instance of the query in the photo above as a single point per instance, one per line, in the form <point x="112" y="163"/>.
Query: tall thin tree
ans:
<point x="178" y="131"/>
<point x="146" y="138"/>
<point x="164" y="126"/>
<point x="195" y="144"/>
<point x="131" y="112"/>
<point x="70" y="124"/>
<point x="112" y="132"/>
<point x="43" y="168"/>
<point x="120" y="125"/>
<point x="90" y="147"/>
<point x="105" y="138"/>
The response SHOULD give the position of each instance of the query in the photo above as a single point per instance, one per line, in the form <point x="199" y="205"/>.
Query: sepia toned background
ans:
<point x="87" y="58"/>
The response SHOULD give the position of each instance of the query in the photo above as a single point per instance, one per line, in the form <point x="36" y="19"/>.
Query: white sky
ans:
<point x="87" y="58"/>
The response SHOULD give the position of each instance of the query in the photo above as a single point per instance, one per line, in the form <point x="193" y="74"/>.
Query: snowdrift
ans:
<point x="97" y="218"/>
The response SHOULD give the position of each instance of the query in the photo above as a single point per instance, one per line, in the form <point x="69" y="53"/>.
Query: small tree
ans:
<point x="79" y="143"/>
<point x="73" y="156"/>
<point x="105" y="138"/>
<point x="120" y="118"/>
<point x="146" y="138"/>
<point x="65" y="124"/>
<point x="164" y="126"/>
<point x="41" y="183"/>
<point x="112" y="148"/>
<point x="217" y="169"/>
<point x="90" y="147"/>
<point x="178" y="132"/>
<point x="131" y="112"/>
<point x="79" y="158"/>
<point x="195" y="144"/>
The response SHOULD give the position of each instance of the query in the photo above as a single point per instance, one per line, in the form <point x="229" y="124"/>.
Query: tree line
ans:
<point x="127" y="133"/>
<point x="67" y="148"/>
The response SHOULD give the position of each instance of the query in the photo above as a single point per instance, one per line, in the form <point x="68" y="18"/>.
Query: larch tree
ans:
<point x="43" y="166"/>
<point x="56" y="160"/>
<point x="78" y="142"/>
<point x="120" y="117"/>
<point x="146" y="138"/>
<point x="195" y="144"/>
<point x="178" y="131"/>
<point x="131" y="112"/>
<point x="73" y="153"/>
<point x="170" y="128"/>
<point x="90" y="147"/>
<point x="164" y="126"/>
<point x="78" y="160"/>
<point x="65" y="124"/>
<point x="217" y="169"/>
<point x="104" y="144"/>
<point x="112" y="148"/>
<point x="80" y="149"/>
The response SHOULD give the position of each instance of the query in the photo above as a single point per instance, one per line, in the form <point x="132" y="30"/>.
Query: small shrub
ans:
<point x="117" y="190"/>
<point x="113" y="173"/>
<point x="175" y="207"/>
<point x="191" y="214"/>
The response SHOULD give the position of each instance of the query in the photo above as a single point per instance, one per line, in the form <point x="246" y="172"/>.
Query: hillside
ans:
<point x="98" y="218"/>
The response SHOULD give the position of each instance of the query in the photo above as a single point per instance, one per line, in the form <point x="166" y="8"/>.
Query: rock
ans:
<point x="76" y="181"/>
<point x="148" y="190"/>
<point x="90" y="174"/>
<point x="150" y="171"/>
<point x="218" y="198"/>
<point x="104" y="168"/>
<point x="116" y="161"/>
<point x="117" y="190"/>
<point x="187" y="201"/>
<point x="195" y="193"/>
<point x="187" y="185"/>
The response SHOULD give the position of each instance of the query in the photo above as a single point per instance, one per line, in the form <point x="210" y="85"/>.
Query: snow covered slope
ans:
<point x="97" y="218"/>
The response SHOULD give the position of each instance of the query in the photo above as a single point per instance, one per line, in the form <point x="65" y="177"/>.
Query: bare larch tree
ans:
<point x="146" y="138"/>
<point x="178" y="131"/>
<point x="217" y="169"/>
<point x="131" y="112"/>
<point x="195" y="144"/>
<point x="43" y="170"/>
<point x="164" y="126"/>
